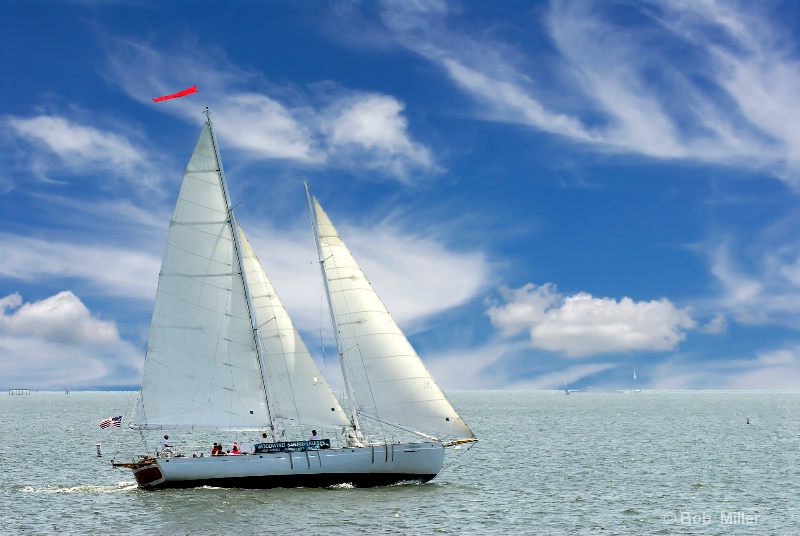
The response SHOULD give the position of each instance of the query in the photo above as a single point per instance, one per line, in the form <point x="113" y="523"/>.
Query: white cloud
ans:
<point x="373" y="125"/>
<point x="338" y="127"/>
<point x="740" y="289"/>
<point x="719" y="87"/>
<point x="262" y="127"/>
<point x="116" y="271"/>
<point x="467" y="368"/>
<point x="62" y="318"/>
<point x="581" y="325"/>
<point x="771" y="369"/>
<point x="718" y="324"/>
<point x="524" y="307"/>
<point x="758" y="282"/>
<point x="557" y="379"/>
<point x="57" y="343"/>
<point x="416" y="277"/>
<point x="508" y="102"/>
<point x="54" y="142"/>
<point x="44" y="365"/>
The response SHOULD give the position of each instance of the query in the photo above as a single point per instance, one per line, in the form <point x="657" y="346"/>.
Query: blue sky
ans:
<point x="541" y="192"/>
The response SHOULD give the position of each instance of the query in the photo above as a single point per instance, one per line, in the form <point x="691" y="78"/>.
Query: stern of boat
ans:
<point x="147" y="472"/>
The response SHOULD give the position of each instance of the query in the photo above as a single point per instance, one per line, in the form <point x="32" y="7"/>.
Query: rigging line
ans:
<point x="272" y="379"/>
<point x="457" y="458"/>
<point x="267" y="322"/>
<point x="131" y="416"/>
<point x="401" y="427"/>
<point x="322" y="344"/>
<point x="345" y="296"/>
<point x="369" y="386"/>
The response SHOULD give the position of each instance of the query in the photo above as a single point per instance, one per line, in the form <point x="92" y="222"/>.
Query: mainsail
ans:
<point x="204" y="367"/>
<point x="390" y="381"/>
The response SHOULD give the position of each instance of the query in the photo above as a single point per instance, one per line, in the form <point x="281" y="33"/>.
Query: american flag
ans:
<point x="111" y="421"/>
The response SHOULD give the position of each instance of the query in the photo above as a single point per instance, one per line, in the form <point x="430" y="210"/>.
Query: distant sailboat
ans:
<point x="635" y="390"/>
<point x="223" y="355"/>
<point x="569" y="391"/>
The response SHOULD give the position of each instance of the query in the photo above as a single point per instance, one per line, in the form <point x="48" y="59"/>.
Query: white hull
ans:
<point x="363" y="467"/>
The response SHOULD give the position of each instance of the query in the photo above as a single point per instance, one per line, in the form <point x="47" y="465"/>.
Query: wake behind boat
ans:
<point x="224" y="356"/>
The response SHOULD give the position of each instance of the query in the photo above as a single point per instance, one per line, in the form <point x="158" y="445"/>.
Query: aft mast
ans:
<point x="337" y="333"/>
<point x="250" y="307"/>
<point x="378" y="361"/>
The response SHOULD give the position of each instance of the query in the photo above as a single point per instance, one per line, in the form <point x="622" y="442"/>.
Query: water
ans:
<point x="588" y="463"/>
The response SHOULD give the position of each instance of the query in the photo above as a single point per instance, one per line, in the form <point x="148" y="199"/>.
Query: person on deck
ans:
<point x="164" y="445"/>
<point x="235" y="449"/>
<point x="258" y="441"/>
<point x="314" y="436"/>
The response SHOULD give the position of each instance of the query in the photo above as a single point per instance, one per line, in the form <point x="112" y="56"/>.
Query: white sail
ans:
<point x="300" y="393"/>
<point x="390" y="381"/>
<point x="223" y="354"/>
<point x="202" y="369"/>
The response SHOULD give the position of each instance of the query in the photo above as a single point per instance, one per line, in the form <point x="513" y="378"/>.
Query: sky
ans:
<point x="543" y="193"/>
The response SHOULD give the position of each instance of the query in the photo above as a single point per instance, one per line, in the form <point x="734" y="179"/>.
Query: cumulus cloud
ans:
<point x="263" y="127"/>
<point x="338" y="127"/>
<point x="57" y="342"/>
<point x="581" y="325"/>
<point x="62" y="318"/>
<point x="374" y="124"/>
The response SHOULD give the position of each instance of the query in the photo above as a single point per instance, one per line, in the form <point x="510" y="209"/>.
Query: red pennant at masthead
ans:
<point x="187" y="91"/>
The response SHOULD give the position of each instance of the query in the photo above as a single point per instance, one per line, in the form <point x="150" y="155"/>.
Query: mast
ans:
<point x="334" y="324"/>
<point x="262" y="364"/>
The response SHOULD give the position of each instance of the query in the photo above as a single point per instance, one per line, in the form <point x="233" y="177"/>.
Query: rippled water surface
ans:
<point x="546" y="463"/>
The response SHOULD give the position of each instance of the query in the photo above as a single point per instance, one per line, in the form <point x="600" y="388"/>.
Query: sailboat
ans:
<point x="224" y="356"/>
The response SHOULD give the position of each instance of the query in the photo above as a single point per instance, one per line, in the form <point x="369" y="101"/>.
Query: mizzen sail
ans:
<point x="390" y="381"/>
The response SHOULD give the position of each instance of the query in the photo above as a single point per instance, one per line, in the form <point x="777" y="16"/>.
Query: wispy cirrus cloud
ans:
<point x="416" y="277"/>
<point x="777" y="368"/>
<point x="558" y="378"/>
<point x="115" y="271"/>
<point x="758" y="283"/>
<point x="52" y="145"/>
<point x="718" y="88"/>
